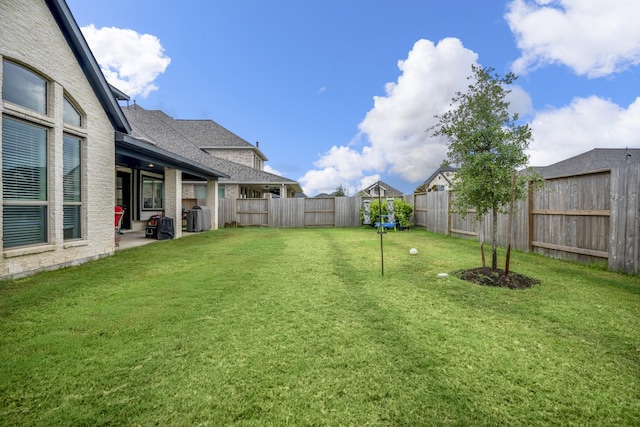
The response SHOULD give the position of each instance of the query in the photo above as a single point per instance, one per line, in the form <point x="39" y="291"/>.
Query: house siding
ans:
<point x="31" y="36"/>
<point x="442" y="180"/>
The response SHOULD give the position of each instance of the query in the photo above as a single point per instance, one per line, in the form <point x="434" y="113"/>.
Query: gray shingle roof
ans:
<point x="155" y="127"/>
<point x="591" y="161"/>
<point x="388" y="190"/>
<point x="208" y="134"/>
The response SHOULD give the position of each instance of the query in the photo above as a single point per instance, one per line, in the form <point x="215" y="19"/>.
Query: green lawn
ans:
<point x="268" y="327"/>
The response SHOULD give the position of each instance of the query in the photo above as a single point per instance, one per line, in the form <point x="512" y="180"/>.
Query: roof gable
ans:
<point x="388" y="189"/>
<point x="440" y="170"/>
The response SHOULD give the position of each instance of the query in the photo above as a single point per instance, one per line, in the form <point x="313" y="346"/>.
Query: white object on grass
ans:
<point x="413" y="251"/>
<point x="442" y="274"/>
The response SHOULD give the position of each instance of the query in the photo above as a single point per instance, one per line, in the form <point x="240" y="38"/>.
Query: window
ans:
<point x="26" y="165"/>
<point x="23" y="87"/>
<point x="24" y="190"/>
<point x="70" y="115"/>
<point x="72" y="169"/>
<point x="152" y="192"/>
<point x="220" y="191"/>
<point x="201" y="191"/>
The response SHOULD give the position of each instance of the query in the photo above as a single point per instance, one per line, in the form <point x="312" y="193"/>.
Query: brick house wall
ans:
<point x="31" y="37"/>
<point x="242" y="156"/>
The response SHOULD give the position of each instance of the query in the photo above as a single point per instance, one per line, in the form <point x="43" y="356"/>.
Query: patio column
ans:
<point x="283" y="191"/>
<point x="212" y="202"/>
<point x="173" y="198"/>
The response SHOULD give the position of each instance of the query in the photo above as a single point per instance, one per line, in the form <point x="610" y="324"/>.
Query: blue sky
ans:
<point x="341" y="92"/>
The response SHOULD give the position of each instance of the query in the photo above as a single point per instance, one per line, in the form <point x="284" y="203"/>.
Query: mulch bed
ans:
<point x="486" y="276"/>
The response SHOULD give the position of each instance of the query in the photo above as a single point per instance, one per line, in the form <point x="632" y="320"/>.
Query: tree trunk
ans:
<point x="494" y="239"/>
<point x="510" y="224"/>
<point x="481" y="233"/>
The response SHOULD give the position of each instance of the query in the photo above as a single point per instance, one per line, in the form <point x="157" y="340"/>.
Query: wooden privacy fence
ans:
<point x="291" y="213"/>
<point x="585" y="218"/>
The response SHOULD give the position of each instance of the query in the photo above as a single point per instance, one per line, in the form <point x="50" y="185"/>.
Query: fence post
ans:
<point x="449" y="197"/>
<point x="530" y="216"/>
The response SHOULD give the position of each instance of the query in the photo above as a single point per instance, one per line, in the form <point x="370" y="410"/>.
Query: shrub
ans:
<point x="403" y="211"/>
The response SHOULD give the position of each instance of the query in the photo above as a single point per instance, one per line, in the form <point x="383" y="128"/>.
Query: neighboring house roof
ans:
<point x="90" y="67"/>
<point x="595" y="160"/>
<point x="151" y="127"/>
<point x="440" y="170"/>
<point x="388" y="190"/>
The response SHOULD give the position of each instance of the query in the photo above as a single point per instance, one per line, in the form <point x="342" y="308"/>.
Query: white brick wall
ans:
<point x="30" y="36"/>
<point x="241" y="156"/>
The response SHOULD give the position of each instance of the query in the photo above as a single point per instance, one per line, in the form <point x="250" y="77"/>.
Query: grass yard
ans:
<point x="268" y="327"/>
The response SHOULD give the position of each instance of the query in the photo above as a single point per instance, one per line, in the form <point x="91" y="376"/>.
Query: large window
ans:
<point x="72" y="168"/>
<point x="24" y="176"/>
<point x="26" y="164"/>
<point x="152" y="192"/>
<point x="23" y="87"/>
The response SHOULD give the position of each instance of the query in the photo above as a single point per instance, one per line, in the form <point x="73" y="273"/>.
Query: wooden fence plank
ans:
<point x="625" y="219"/>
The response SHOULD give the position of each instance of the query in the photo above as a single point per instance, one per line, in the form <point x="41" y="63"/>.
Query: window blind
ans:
<point x="24" y="225"/>
<point x="24" y="161"/>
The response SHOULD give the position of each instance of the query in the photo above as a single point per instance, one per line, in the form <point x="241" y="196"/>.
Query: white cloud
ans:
<point x="394" y="136"/>
<point x="585" y="124"/>
<point x="519" y="101"/>
<point x="130" y="61"/>
<point x="592" y="37"/>
<point x="269" y="169"/>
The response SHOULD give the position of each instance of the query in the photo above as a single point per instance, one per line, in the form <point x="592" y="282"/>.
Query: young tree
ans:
<point x="341" y="191"/>
<point x="488" y="145"/>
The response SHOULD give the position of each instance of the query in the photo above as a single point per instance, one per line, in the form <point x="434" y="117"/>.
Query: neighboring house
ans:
<point x="440" y="180"/>
<point x="598" y="159"/>
<point x="215" y="146"/>
<point x="61" y="126"/>
<point x="380" y="189"/>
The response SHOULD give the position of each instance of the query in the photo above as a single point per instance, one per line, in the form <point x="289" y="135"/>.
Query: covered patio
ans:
<point x="149" y="182"/>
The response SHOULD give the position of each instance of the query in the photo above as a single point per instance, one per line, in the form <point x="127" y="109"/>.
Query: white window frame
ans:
<point x="155" y="179"/>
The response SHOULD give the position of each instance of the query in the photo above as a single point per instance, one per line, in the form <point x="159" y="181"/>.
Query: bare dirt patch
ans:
<point x="486" y="276"/>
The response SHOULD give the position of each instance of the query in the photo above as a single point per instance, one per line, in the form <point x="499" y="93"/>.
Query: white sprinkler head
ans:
<point x="413" y="251"/>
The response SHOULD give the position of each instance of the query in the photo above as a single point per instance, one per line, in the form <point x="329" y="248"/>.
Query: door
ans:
<point x="123" y="197"/>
